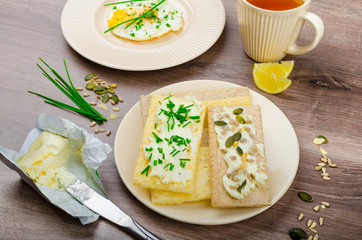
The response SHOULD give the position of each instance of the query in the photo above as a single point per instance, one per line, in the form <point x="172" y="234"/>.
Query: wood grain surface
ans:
<point x="324" y="98"/>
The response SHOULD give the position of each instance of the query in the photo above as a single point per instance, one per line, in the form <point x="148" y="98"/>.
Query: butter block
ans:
<point x="46" y="156"/>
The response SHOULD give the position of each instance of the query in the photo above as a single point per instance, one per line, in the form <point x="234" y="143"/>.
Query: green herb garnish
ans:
<point x="70" y="91"/>
<point x="146" y="170"/>
<point x="109" y="4"/>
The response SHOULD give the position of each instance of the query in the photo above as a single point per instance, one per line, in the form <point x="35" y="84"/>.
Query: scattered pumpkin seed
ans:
<point x="237" y="136"/>
<point x="313" y="230"/>
<point x="329" y="161"/>
<point x="89" y="76"/>
<point x="105" y="98"/>
<point x="116" y="109"/>
<point x="242" y="185"/>
<point x="325" y="204"/>
<point x="92" y="124"/>
<point x="240" y="119"/>
<point x="297" y="233"/>
<point x="309" y="223"/>
<point x="90" y="86"/>
<point x="332" y="165"/>
<point x="85" y="94"/>
<point x="101" y="130"/>
<point x="324" y="170"/>
<point x="315" y="237"/>
<point x="305" y="197"/>
<point x="115" y="98"/>
<point x="120" y="99"/>
<point x="323" y="152"/>
<point x="320" y="140"/>
<point x="113" y="116"/>
<point x="326" y="178"/>
<point x="317" y="168"/>
<point x="220" y="123"/>
<point x="325" y="174"/>
<point x="101" y="92"/>
<point x="102" y="106"/>
<point x="93" y="103"/>
<point x="229" y="142"/>
<point x="316" y="208"/>
<point x="301" y="216"/>
<point x="238" y="111"/>
<point x="310" y="237"/>
<point x="321" y="164"/>
<point x="112" y="102"/>
<point x="111" y="90"/>
<point x="321" y="221"/>
<point x="323" y="207"/>
<point x="108" y="132"/>
<point x="240" y="151"/>
<point x="113" y="85"/>
<point x="324" y="160"/>
<point x="313" y="225"/>
<point x="79" y="89"/>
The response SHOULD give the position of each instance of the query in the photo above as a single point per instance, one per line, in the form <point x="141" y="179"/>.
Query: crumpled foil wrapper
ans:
<point x="93" y="152"/>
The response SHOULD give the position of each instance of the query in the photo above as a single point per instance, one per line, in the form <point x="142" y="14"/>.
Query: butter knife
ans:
<point x="104" y="207"/>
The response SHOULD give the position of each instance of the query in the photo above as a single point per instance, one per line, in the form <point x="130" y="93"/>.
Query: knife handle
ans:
<point x="140" y="232"/>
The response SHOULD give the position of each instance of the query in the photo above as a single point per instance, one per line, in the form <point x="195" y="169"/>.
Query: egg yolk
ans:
<point x="122" y="15"/>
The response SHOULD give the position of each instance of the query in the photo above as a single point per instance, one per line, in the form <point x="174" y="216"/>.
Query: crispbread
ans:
<point x="155" y="182"/>
<point x="219" y="197"/>
<point x="202" y="188"/>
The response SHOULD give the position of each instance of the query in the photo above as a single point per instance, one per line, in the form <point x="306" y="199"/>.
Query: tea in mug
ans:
<point x="276" y="5"/>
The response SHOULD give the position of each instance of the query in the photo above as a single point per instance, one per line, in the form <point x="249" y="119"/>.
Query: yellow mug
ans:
<point x="267" y="35"/>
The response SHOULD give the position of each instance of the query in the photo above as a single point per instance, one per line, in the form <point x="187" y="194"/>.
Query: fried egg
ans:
<point x="158" y="22"/>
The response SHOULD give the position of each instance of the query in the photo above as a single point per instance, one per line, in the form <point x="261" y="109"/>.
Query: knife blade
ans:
<point x="104" y="207"/>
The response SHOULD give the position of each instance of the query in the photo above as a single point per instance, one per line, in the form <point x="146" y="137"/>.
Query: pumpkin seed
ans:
<point x="305" y="197"/>
<point x="240" y="119"/>
<point x="105" y="98"/>
<point x="115" y="98"/>
<point x="238" y="111"/>
<point x="90" y="86"/>
<point x="301" y="216"/>
<point x="297" y="233"/>
<point x="89" y="76"/>
<point x="324" y="138"/>
<point x="243" y="184"/>
<point x="111" y="90"/>
<point x="113" y="116"/>
<point x="229" y="142"/>
<point x="240" y="151"/>
<point x="101" y="92"/>
<point x="220" y="123"/>
<point x="108" y="132"/>
<point x="237" y="136"/>
<point x="99" y="89"/>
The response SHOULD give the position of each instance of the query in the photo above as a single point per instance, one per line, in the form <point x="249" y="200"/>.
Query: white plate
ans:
<point x="282" y="154"/>
<point x="84" y="21"/>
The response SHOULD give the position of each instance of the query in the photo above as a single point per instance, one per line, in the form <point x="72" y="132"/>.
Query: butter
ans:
<point x="48" y="154"/>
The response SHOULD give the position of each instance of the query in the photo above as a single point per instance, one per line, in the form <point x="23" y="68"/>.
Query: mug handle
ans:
<point x="318" y="26"/>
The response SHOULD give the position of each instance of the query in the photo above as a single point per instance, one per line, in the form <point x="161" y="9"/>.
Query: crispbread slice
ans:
<point x="155" y="182"/>
<point x="219" y="197"/>
<point x="202" y="188"/>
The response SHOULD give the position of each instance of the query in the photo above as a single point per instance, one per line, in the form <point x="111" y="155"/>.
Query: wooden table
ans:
<point x="324" y="98"/>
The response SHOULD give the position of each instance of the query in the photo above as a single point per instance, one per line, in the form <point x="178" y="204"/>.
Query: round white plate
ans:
<point x="282" y="155"/>
<point x="84" y="21"/>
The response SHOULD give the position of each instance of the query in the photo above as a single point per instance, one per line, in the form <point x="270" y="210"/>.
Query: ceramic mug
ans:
<point x="267" y="36"/>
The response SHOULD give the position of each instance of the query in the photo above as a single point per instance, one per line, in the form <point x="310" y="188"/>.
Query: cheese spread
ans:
<point x="236" y="131"/>
<point x="173" y="140"/>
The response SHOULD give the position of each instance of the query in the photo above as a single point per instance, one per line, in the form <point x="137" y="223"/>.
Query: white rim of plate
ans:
<point x="82" y="26"/>
<point x="214" y="84"/>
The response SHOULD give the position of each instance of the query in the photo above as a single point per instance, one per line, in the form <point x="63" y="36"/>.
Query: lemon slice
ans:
<point x="272" y="77"/>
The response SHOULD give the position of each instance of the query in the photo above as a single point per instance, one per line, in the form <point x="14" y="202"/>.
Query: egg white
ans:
<point x="167" y="18"/>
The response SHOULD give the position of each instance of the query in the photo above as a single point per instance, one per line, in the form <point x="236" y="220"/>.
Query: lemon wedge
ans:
<point x="272" y="77"/>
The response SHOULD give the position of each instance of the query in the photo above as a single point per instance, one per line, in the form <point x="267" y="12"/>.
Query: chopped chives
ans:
<point x="155" y="163"/>
<point x="175" y="153"/>
<point x="158" y="139"/>
<point x="149" y="159"/>
<point x="171" y="166"/>
<point x="186" y="124"/>
<point x="160" y="161"/>
<point x="184" y="159"/>
<point x="146" y="170"/>
<point x="194" y="117"/>
<point x="166" y="165"/>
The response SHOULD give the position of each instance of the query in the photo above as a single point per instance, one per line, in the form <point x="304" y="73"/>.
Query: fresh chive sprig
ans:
<point x="110" y="4"/>
<point x="133" y="20"/>
<point x="69" y="90"/>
